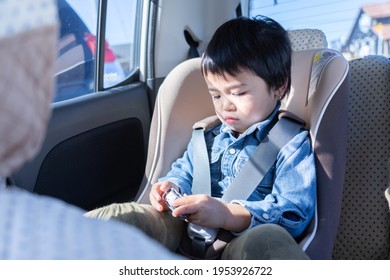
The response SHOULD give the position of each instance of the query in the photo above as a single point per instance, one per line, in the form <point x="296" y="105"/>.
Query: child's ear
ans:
<point x="279" y="93"/>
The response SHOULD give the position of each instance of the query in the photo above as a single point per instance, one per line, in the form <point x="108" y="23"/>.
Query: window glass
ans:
<point x="355" y="27"/>
<point x="75" y="65"/>
<point x="120" y="52"/>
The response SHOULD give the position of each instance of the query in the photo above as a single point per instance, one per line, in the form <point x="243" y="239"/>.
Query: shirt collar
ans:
<point x="256" y="126"/>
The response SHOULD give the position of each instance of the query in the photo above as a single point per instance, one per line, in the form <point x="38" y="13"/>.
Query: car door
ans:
<point x="95" y="148"/>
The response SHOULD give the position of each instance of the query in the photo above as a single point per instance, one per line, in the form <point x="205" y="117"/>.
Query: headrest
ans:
<point x="28" y="36"/>
<point x="305" y="39"/>
<point x="316" y="76"/>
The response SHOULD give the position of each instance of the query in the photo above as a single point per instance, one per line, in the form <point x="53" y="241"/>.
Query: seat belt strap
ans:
<point x="262" y="159"/>
<point x="198" y="247"/>
<point x="253" y="171"/>
<point x="201" y="176"/>
<point x="250" y="175"/>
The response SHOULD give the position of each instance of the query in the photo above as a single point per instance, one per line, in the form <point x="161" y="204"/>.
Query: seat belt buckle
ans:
<point x="198" y="247"/>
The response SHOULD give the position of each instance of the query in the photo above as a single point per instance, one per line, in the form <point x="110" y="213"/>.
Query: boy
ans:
<point x="247" y="68"/>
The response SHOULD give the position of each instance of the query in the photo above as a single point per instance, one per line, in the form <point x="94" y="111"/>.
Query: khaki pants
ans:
<point x="266" y="241"/>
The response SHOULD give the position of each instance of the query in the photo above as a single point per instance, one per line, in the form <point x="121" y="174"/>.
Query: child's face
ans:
<point x="242" y="100"/>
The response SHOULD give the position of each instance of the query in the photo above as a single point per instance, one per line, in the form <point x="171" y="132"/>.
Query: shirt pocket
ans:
<point x="215" y="163"/>
<point x="240" y="162"/>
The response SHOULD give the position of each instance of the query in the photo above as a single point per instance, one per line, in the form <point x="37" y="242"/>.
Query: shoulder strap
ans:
<point x="253" y="171"/>
<point x="262" y="159"/>
<point x="201" y="177"/>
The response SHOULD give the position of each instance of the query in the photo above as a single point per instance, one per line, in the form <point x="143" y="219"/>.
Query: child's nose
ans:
<point x="228" y="105"/>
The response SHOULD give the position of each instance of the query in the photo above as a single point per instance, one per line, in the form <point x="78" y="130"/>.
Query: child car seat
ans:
<point x="318" y="97"/>
<point x="320" y="85"/>
<point x="171" y="112"/>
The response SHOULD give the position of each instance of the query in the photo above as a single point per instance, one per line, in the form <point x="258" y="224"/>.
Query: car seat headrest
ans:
<point x="306" y="39"/>
<point x="316" y="76"/>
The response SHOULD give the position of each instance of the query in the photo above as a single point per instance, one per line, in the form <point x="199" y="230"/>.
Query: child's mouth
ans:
<point x="230" y="120"/>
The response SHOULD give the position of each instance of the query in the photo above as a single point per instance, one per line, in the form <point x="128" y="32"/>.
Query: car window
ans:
<point x="355" y="27"/>
<point x="120" y="58"/>
<point x="75" y="66"/>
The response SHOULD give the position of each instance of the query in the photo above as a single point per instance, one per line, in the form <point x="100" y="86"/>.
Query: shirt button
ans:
<point x="265" y="216"/>
<point x="232" y="151"/>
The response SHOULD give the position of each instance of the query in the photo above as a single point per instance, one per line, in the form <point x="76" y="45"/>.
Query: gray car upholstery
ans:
<point x="364" y="231"/>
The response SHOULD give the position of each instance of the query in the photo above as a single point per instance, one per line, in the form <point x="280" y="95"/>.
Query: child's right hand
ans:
<point x="156" y="193"/>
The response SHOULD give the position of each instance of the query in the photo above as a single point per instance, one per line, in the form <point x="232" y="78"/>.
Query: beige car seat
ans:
<point x="318" y="97"/>
<point x="171" y="112"/>
<point x="364" y="231"/>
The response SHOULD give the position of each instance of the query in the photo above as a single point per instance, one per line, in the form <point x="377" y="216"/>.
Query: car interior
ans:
<point x="112" y="144"/>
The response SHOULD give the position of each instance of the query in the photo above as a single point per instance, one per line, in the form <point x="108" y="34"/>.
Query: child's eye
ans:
<point x="215" y="97"/>
<point x="238" y="93"/>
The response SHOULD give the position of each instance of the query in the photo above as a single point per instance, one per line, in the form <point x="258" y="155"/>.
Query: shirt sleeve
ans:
<point x="291" y="203"/>
<point x="182" y="171"/>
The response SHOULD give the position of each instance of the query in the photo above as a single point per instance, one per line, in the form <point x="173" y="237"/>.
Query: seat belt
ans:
<point x="255" y="168"/>
<point x="250" y="175"/>
<point x="201" y="176"/>
<point x="262" y="159"/>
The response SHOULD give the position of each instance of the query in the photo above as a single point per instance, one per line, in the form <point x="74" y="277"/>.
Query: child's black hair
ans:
<point x="260" y="45"/>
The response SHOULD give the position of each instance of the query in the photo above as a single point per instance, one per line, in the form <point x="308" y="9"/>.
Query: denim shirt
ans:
<point x="287" y="193"/>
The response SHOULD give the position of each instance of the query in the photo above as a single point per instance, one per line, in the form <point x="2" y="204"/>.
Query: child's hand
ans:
<point x="203" y="210"/>
<point x="155" y="196"/>
<point x="210" y="212"/>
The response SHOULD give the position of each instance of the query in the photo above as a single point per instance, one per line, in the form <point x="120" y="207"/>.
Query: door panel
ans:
<point x="95" y="149"/>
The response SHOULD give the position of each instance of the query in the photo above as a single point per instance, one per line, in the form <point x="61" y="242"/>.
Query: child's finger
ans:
<point x="185" y="200"/>
<point x="156" y="205"/>
<point x="165" y="187"/>
<point x="184" y="210"/>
